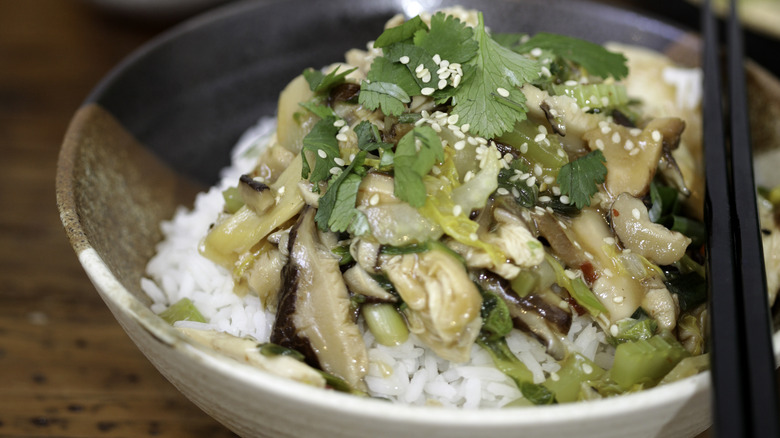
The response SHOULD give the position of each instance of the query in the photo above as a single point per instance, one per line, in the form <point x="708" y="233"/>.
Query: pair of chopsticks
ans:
<point x="745" y="400"/>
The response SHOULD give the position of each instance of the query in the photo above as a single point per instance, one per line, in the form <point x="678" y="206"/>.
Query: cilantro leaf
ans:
<point x="412" y="164"/>
<point x="344" y="203"/>
<point x="579" y="179"/>
<point x="490" y="100"/>
<point x="524" y="194"/>
<point x="594" y="58"/>
<point x="385" y="95"/>
<point x="400" y="33"/>
<point x="322" y="137"/>
<point x="417" y="56"/>
<point x="369" y="138"/>
<point x="319" y="82"/>
<point x="448" y="37"/>
<point x="334" y="206"/>
<point x="384" y="69"/>
<point x="319" y="110"/>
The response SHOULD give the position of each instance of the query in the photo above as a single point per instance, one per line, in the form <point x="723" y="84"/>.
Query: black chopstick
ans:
<point x="745" y="400"/>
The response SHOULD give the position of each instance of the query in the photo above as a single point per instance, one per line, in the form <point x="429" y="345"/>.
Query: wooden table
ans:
<point x="66" y="367"/>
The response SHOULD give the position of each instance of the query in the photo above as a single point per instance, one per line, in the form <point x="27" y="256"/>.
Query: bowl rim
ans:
<point x="112" y="290"/>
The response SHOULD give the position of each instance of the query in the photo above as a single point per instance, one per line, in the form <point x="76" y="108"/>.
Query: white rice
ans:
<point x="409" y="373"/>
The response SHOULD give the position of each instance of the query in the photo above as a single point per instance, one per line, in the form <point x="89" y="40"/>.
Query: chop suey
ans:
<point x="457" y="184"/>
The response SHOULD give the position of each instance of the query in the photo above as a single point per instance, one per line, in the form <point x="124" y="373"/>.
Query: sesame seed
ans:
<point x="259" y="179"/>
<point x="374" y="200"/>
<point x="339" y="123"/>
<point x="339" y="161"/>
<point x="536" y="52"/>
<point x="628" y="145"/>
<point x="351" y="157"/>
<point x="524" y="148"/>
<point x="322" y="153"/>
<point x="465" y="127"/>
<point x="617" y="300"/>
<point x="608" y="272"/>
<point x="561" y="153"/>
<point x="341" y="137"/>
<point x="570" y="274"/>
<point x="537" y="170"/>
<point x="436" y="127"/>
<point x="635" y="131"/>
<point x="453" y="119"/>
<point x="599" y="144"/>
<point x="546" y="71"/>
<point x="616" y="137"/>
<point x="444" y="63"/>
<point x="502" y="92"/>
<point x="606" y="129"/>
<point x="473" y="236"/>
<point x="588" y="255"/>
<point x="404" y="60"/>
<point x="457" y="210"/>
<point x="635" y="213"/>
<point x="442" y="83"/>
<point x="427" y="91"/>
<point x="530" y="181"/>
<point x="556" y="190"/>
<point x="472" y="141"/>
<point x="344" y="129"/>
<point x="419" y="68"/>
<point x="426" y="77"/>
<point x="587" y="368"/>
<point x="456" y="80"/>
<point x="515" y="192"/>
<point x="613" y="330"/>
<point x="548" y="179"/>
<point x="502" y="191"/>
<point x="633" y="152"/>
<point x="605" y="101"/>
<point x="554" y="377"/>
<point x="609" y="240"/>
<point x="564" y="199"/>
<point x="545" y="199"/>
<point x="437" y="58"/>
<point x="539" y="138"/>
<point x="656" y="135"/>
<point x="459" y="145"/>
<point x="280" y="190"/>
<point x="335" y="170"/>
<point x="570" y="83"/>
<point x="468" y="176"/>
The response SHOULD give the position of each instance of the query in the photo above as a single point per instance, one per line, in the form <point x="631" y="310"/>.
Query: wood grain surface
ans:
<point x="66" y="367"/>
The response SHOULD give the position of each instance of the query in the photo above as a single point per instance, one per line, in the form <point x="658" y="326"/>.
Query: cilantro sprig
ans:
<point x="579" y="179"/>
<point x="595" y="59"/>
<point x="416" y="154"/>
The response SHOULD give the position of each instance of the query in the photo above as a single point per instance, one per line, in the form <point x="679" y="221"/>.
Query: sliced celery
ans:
<point x="594" y="95"/>
<point x="566" y="383"/>
<point x="547" y="153"/>
<point x="233" y="199"/>
<point x="645" y="361"/>
<point x="182" y="310"/>
<point x="385" y="323"/>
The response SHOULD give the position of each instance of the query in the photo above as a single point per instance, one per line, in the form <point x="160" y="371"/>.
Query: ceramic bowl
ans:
<point x="160" y="126"/>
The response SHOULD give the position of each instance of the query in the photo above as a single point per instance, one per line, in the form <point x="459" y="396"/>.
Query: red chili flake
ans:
<point x="615" y="213"/>
<point x="589" y="272"/>
<point x="576" y="306"/>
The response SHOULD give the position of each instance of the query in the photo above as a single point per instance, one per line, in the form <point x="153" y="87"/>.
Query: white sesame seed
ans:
<point x="335" y="170"/>
<point x="472" y="141"/>
<point x="539" y="138"/>
<point x="457" y="210"/>
<point x="609" y="240"/>
<point x="571" y="83"/>
<point x="587" y="368"/>
<point x="588" y="255"/>
<point x="259" y="179"/>
<point x="635" y="213"/>
<point x="536" y="52"/>
<point x="426" y="77"/>
<point x="444" y="63"/>
<point x="339" y="123"/>
<point x="437" y="58"/>
<point x="628" y="145"/>
<point x="473" y="236"/>
<point x="280" y="190"/>
<point x="419" y="68"/>
<point x="599" y="144"/>
<point x="617" y="300"/>
<point x="339" y="161"/>
<point x="442" y="83"/>
<point x="344" y="129"/>
<point x="570" y="274"/>
<point x="468" y="176"/>
<point x="608" y="272"/>
<point x="427" y="91"/>
<point x="561" y="153"/>
<point x="351" y="157"/>
<point x="322" y="153"/>
<point x="545" y="199"/>
<point x="530" y="181"/>
<point x="633" y="152"/>
<point x="564" y="199"/>
<point x="635" y="131"/>
<point x="616" y="137"/>
<point x="556" y="190"/>
<point x="453" y="119"/>
<point x="502" y="92"/>
<point x="546" y="71"/>
<point x="548" y="179"/>
<point x="613" y="330"/>
<point x="436" y="127"/>
<point x="374" y="200"/>
<point x="554" y="376"/>
<point x="605" y="101"/>
<point x="456" y="80"/>
<point x="502" y="191"/>
<point x="606" y="129"/>
<point x="524" y="148"/>
<point x="537" y="170"/>
<point x="459" y="145"/>
<point x="341" y="137"/>
<point x="515" y="192"/>
<point x="656" y="135"/>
